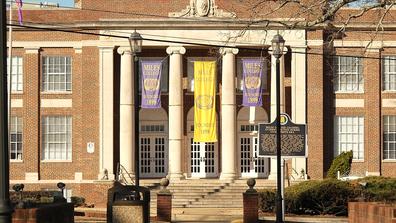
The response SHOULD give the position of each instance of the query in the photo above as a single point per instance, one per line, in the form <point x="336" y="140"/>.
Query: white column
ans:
<point x="273" y="170"/>
<point x="175" y="111"/>
<point x="298" y="80"/>
<point x="228" y="115"/>
<point x="106" y="67"/>
<point x="127" y="113"/>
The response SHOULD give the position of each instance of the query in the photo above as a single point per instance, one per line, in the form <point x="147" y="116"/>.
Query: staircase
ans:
<point x="195" y="198"/>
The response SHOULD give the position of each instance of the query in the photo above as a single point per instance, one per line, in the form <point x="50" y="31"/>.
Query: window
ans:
<point x="16" y="138"/>
<point x="57" y="137"/>
<point x="348" y="74"/>
<point x="349" y="135"/>
<point x="164" y="72"/>
<point x="389" y="137"/>
<point x="57" y="73"/>
<point x="16" y="73"/>
<point x="240" y="74"/>
<point x="190" y="70"/>
<point x="389" y="73"/>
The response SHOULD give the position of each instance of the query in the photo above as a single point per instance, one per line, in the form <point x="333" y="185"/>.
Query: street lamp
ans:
<point x="5" y="207"/>
<point x="135" y="42"/>
<point x="277" y="50"/>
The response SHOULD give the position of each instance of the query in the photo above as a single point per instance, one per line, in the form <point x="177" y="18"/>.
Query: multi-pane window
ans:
<point x="389" y="73"/>
<point x="389" y="137"/>
<point x="57" y="75"/>
<point x="348" y="74"/>
<point x="16" y="73"/>
<point x="349" y="135"/>
<point x="57" y="137"/>
<point x="16" y="138"/>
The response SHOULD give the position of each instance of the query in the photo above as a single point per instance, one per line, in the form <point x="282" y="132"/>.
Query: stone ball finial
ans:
<point x="164" y="182"/>
<point x="251" y="182"/>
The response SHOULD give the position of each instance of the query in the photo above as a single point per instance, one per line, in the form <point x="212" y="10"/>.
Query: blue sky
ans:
<point x="61" y="2"/>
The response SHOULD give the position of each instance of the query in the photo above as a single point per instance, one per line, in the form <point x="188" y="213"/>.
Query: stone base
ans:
<point x="227" y="176"/>
<point x="175" y="176"/>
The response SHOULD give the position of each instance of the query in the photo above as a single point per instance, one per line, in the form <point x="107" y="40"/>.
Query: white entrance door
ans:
<point x="203" y="159"/>
<point x="251" y="165"/>
<point x="153" y="156"/>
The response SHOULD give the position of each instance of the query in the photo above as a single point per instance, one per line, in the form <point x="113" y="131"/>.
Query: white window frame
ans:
<point x="60" y="69"/>
<point x="54" y="128"/>
<point x="389" y="142"/>
<point x="16" y="138"/>
<point x="16" y="73"/>
<point x="351" y="79"/>
<point x="348" y="129"/>
<point x="389" y="73"/>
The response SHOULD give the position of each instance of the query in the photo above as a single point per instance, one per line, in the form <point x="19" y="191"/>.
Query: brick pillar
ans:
<point x="315" y="108"/>
<point x="31" y="113"/>
<point x="164" y="202"/>
<point x="250" y="203"/>
<point x="372" y="118"/>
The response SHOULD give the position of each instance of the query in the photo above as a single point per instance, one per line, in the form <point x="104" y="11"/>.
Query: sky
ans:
<point x="69" y="3"/>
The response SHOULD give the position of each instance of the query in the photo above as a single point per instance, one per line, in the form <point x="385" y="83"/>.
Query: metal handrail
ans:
<point x="123" y="176"/>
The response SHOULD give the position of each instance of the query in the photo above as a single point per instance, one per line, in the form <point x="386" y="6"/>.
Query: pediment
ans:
<point x="202" y="8"/>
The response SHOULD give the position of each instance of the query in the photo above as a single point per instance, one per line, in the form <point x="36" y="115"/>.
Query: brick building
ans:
<point x="72" y="116"/>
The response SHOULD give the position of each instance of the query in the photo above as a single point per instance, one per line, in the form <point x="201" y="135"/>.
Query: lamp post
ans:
<point x="135" y="42"/>
<point x="277" y="50"/>
<point x="5" y="207"/>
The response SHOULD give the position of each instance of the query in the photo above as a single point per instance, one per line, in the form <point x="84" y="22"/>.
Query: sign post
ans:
<point x="293" y="139"/>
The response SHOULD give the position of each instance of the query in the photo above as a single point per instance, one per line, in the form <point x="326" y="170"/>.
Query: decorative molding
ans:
<point x="56" y="103"/>
<point x="224" y="51"/>
<point x="175" y="49"/>
<point x="124" y="50"/>
<point x="77" y="50"/>
<point x="202" y="8"/>
<point x="32" y="50"/>
<point x="349" y="103"/>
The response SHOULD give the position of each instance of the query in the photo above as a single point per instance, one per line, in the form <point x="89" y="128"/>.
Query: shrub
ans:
<point x="313" y="197"/>
<point x="340" y="163"/>
<point x="77" y="201"/>
<point x="267" y="199"/>
<point x="378" y="189"/>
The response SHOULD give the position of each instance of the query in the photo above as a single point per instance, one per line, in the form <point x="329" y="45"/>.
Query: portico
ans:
<point x="234" y="155"/>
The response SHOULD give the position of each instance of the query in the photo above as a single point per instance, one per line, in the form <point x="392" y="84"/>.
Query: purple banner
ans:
<point x="151" y="84"/>
<point x="252" y="90"/>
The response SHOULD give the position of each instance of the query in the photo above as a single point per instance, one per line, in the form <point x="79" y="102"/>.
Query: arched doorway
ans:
<point x="153" y="143"/>
<point x="202" y="156"/>
<point x="250" y="164"/>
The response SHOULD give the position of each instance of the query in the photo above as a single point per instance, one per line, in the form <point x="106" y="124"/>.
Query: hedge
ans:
<point x="329" y="196"/>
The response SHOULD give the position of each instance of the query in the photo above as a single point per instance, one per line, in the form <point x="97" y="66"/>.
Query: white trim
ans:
<point x="389" y="103"/>
<point x="56" y="103"/>
<point x="349" y="103"/>
<point x="16" y="103"/>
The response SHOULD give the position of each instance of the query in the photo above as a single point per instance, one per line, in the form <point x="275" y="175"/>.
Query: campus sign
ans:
<point x="293" y="139"/>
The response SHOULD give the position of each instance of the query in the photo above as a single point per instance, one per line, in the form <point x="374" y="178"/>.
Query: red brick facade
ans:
<point x="86" y="99"/>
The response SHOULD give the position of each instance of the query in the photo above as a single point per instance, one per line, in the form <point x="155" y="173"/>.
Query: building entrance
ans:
<point x="250" y="165"/>
<point x="203" y="159"/>
<point x="153" y="143"/>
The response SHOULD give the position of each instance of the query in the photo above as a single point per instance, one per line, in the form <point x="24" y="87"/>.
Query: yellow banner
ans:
<point x="204" y="101"/>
